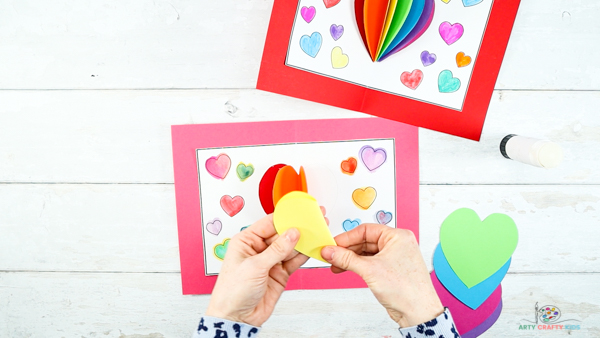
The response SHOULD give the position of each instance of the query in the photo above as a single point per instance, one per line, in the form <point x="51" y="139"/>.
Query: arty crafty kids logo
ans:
<point x="549" y="317"/>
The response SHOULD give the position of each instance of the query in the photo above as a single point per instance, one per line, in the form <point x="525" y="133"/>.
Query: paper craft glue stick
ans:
<point x="539" y="153"/>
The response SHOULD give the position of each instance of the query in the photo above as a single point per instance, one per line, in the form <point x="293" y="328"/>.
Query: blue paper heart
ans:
<point x="311" y="44"/>
<point x="350" y="224"/>
<point x="474" y="296"/>
<point x="469" y="3"/>
<point x="447" y="83"/>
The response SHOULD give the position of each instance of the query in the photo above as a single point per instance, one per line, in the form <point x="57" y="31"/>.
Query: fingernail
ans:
<point x="292" y="234"/>
<point x="327" y="253"/>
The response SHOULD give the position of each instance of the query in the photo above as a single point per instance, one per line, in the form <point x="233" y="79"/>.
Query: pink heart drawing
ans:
<point x="450" y="33"/>
<point x="218" y="166"/>
<point x="413" y="79"/>
<point x="383" y="217"/>
<point x="232" y="205"/>
<point x="372" y="158"/>
<point x="214" y="227"/>
<point x="308" y="13"/>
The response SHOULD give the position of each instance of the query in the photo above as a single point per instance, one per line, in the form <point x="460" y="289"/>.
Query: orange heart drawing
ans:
<point x="364" y="197"/>
<point x="286" y="181"/>
<point x="349" y="166"/>
<point x="462" y="60"/>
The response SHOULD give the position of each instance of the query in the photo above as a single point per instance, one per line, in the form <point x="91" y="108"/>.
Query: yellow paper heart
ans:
<point x="445" y="1"/>
<point x="301" y="211"/>
<point x="338" y="58"/>
<point x="364" y="198"/>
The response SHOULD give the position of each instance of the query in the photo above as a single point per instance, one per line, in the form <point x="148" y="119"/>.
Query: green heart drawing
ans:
<point x="447" y="83"/>
<point x="477" y="249"/>
<point x="221" y="249"/>
<point x="244" y="171"/>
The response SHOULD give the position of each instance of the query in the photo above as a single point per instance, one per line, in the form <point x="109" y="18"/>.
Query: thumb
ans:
<point x="344" y="259"/>
<point x="279" y="250"/>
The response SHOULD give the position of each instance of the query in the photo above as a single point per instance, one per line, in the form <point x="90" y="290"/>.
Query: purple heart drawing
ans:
<point x="450" y="33"/>
<point x="383" y="217"/>
<point x="308" y="13"/>
<point x="372" y="158"/>
<point x="428" y="58"/>
<point x="336" y="31"/>
<point x="214" y="227"/>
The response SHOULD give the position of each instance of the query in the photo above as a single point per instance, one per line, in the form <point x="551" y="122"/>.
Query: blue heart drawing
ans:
<point x="311" y="44"/>
<point x="447" y="83"/>
<point x="469" y="3"/>
<point x="350" y="224"/>
<point x="383" y="217"/>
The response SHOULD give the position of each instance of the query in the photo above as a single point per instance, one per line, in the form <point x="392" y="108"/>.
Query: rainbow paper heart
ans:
<point x="386" y="27"/>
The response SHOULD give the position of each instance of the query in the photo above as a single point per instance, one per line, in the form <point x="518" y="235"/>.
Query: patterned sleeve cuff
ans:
<point x="439" y="327"/>
<point x="212" y="327"/>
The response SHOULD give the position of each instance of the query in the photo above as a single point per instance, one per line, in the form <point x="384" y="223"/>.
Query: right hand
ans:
<point x="390" y="262"/>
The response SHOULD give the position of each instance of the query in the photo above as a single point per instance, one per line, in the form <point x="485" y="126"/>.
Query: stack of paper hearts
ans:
<point x="469" y="263"/>
<point x="388" y="26"/>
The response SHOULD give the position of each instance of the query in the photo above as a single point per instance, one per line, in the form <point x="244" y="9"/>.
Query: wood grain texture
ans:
<point x="124" y="136"/>
<point x="131" y="305"/>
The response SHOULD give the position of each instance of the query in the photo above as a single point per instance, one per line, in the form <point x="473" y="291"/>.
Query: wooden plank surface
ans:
<point x="89" y="90"/>
<point x="131" y="305"/>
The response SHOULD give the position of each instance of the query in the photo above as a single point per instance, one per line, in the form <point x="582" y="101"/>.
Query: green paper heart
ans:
<point x="477" y="249"/>
<point x="244" y="171"/>
<point x="221" y="249"/>
<point x="447" y="83"/>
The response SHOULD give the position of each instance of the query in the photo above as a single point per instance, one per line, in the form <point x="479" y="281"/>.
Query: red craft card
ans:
<point x="340" y="156"/>
<point x="441" y="80"/>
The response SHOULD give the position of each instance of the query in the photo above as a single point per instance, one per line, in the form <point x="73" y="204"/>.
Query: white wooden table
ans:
<point x="89" y="90"/>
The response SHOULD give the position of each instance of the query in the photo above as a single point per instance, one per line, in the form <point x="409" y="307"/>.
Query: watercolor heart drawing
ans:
<point x="336" y="31"/>
<point x="451" y="33"/>
<point x="311" y="44"/>
<point x="338" y="58"/>
<point x="372" y="158"/>
<point x="386" y="27"/>
<point x="413" y="79"/>
<point x="218" y="166"/>
<point x="469" y="3"/>
<point x="383" y="217"/>
<point x="349" y="166"/>
<point x="221" y="249"/>
<point x="330" y="3"/>
<point x="244" y="171"/>
<point x="214" y="227"/>
<point x="428" y="58"/>
<point x="308" y="13"/>
<point x="462" y="60"/>
<point x="447" y="83"/>
<point x="350" y="224"/>
<point x="476" y="249"/>
<point x="364" y="197"/>
<point x="232" y="205"/>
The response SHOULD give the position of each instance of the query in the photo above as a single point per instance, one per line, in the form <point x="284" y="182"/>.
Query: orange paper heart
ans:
<point x="287" y="180"/>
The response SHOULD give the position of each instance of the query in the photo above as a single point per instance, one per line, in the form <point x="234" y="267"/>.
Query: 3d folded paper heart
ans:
<point x="472" y="297"/>
<point x="287" y="180"/>
<point x="388" y="26"/>
<point x="300" y="210"/>
<point x="476" y="249"/>
<point x="489" y="322"/>
<point x="465" y="318"/>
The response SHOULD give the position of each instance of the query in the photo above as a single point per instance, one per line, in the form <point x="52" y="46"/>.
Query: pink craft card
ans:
<point x="219" y="170"/>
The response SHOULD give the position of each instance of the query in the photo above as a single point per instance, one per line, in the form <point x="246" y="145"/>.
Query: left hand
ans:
<point x="257" y="266"/>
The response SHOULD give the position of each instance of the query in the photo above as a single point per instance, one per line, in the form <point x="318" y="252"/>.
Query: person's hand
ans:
<point x="256" y="268"/>
<point x="391" y="264"/>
